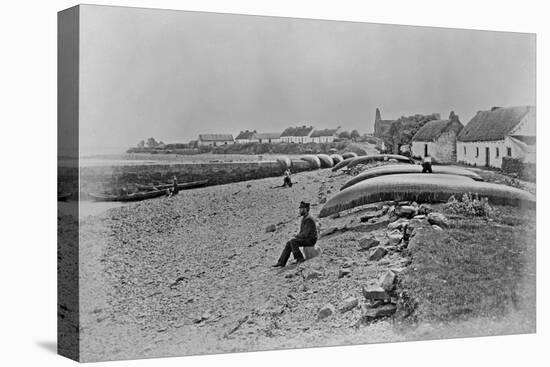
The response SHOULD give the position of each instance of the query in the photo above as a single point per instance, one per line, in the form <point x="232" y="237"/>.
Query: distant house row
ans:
<point x="300" y="134"/>
<point x="484" y="141"/>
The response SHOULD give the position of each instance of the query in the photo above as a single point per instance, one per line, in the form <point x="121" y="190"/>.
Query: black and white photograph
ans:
<point x="235" y="183"/>
<point x="288" y="182"/>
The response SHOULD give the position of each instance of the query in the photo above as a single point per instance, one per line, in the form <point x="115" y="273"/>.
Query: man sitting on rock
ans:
<point x="306" y="237"/>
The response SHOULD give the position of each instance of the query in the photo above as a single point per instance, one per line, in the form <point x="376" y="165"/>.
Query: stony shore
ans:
<point x="191" y="275"/>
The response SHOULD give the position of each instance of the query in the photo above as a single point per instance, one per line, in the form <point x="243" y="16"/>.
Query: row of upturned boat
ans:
<point x="146" y="192"/>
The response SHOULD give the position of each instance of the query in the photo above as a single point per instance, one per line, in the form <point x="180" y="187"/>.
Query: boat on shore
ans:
<point x="181" y="186"/>
<point x="136" y="196"/>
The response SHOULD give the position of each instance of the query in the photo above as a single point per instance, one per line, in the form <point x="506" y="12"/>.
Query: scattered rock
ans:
<point x="375" y="293"/>
<point x="322" y="200"/>
<point x="313" y="274"/>
<point x="406" y="211"/>
<point x="377" y="253"/>
<point x="335" y="216"/>
<point x="438" y="219"/>
<point x="271" y="228"/>
<point x="424" y="209"/>
<point x="378" y="312"/>
<point x="398" y="224"/>
<point x="367" y="217"/>
<point x="437" y="228"/>
<point x="387" y="280"/>
<point x="421" y="216"/>
<point x="370" y="226"/>
<point x="349" y="304"/>
<point x="343" y="272"/>
<point x="325" y="312"/>
<point x="367" y="242"/>
<point x="394" y="237"/>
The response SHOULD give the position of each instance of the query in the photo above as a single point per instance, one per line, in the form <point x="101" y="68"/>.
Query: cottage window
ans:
<point x="465" y="150"/>
<point x="509" y="151"/>
<point x="477" y="152"/>
<point x="497" y="152"/>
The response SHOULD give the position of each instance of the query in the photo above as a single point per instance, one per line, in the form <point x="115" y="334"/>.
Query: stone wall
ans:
<point x="112" y="178"/>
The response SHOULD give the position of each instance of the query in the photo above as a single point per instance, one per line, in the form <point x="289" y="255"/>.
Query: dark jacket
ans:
<point x="308" y="229"/>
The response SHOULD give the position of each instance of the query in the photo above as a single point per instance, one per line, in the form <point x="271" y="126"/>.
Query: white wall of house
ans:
<point x="211" y="143"/>
<point x="527" y="126"/>
<point x="270" y="141"/>
<point x="474" y="153"/>
<point x="297" y="139"/>
<point x="443" y="150"/>
<point x="323" y="139"/>
<point x="521" y="151"/>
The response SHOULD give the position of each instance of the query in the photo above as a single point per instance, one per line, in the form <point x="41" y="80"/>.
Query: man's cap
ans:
<point x="303" y="204"/>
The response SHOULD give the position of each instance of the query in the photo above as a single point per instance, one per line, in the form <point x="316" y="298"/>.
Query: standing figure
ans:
<point x="427" y="164"/>
<point x="306" y="237"/>
<point x="286" y="178"/>
<point x="174" y="189"/>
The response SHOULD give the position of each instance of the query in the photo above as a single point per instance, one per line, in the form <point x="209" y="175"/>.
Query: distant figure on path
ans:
<point x="306" y="237"/>
<point x="286" y="178"/>
<point x="427" y="164"/>
<point x="174" y="190"/>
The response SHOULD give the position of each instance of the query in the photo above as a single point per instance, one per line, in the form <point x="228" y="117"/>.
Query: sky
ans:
<point x="173" y="75"/>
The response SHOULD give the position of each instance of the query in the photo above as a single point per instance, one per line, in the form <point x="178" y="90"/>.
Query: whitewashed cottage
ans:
<point x="437" y="138"/>
<point x="497" y="133"/>
<point x="300" y="134"/>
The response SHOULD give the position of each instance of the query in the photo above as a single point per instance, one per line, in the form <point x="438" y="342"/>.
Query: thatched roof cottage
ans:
<point x="499" y="132"/>
<point x="437" y="138"/>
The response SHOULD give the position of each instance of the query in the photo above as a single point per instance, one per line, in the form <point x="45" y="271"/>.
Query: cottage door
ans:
<point x="425" y="150"/>
<point x="487" y="158"/>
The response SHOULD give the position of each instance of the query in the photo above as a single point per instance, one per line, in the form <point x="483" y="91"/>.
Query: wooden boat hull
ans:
<point x="130" y="197"/>
<point x="314" y="162"/>
<point x="336" y="158"/>
<point x="181" y="186"/>
<point x="347" y="155"/>
<point x="409" y="169"/>
<point x="326" y="161"/>
<point x="351" y="162"/>
<point x="423" y="188"/>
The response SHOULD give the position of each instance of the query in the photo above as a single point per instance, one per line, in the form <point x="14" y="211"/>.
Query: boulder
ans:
<point x="375" y="293"/>
<point x="394" y="237"/>
<point x="372" y="215"/>
<point x="368" y="242"/>
<point x="325" y="311"/>
<point x="311" y="251"/>
<point x="387" y="281"/>
<point x="322" y="200"/>
<point x="436" y="227"/>
<point x="406" y="211"/>
<point x="377" y="253"/>
<point x="438" y="219"/>
<point x="271" y="228"/>
<point x="349" y="304"/>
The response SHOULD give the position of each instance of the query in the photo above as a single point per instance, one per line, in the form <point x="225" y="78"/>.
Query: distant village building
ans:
<point x="500" y="132"/>
<point x="437" y="138"/>
<point x="215" y="139"/>
<point x="325" y="136"/>
<point x="271" y="138"/>
<point x="300" y="134"/>
<point x="246" y="137"/>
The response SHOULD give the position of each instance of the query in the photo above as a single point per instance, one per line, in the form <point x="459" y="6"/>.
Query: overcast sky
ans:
<point x="173" y="74"/>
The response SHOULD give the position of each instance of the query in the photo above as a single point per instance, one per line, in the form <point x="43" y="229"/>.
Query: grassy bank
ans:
<point x="478" y="267"/>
